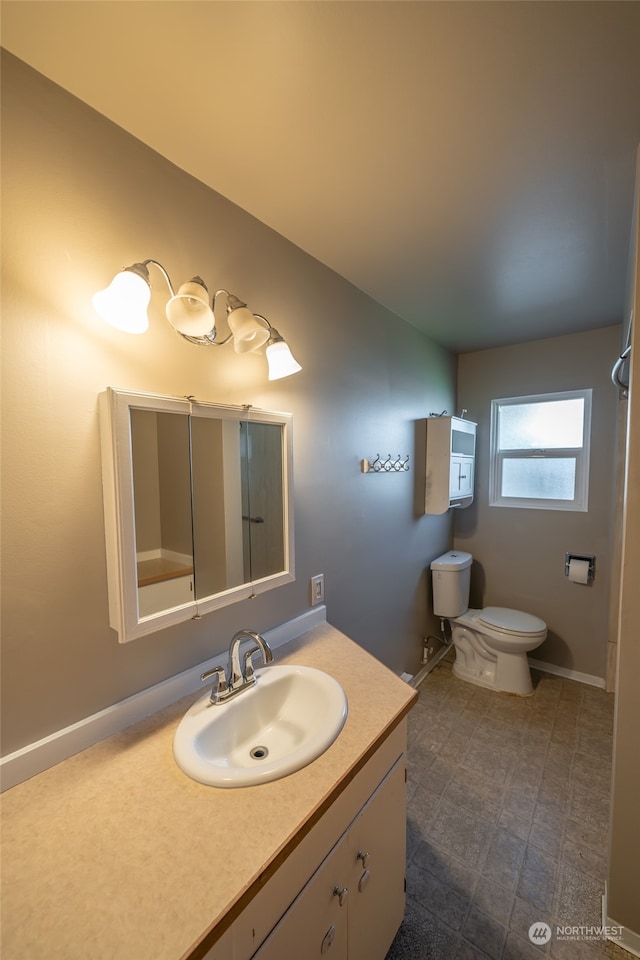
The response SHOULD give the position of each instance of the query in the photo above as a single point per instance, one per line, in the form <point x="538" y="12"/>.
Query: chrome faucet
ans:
<point x="240" y="677"/>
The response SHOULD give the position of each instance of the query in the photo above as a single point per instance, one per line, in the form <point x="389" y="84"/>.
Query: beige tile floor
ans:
<point x="507" y="820"/>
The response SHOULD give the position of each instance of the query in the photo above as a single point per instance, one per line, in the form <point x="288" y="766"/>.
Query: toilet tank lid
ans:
<point x="453" y="560"/>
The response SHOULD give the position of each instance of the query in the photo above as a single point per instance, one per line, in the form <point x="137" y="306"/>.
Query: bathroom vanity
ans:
<point x="116" y="853"/>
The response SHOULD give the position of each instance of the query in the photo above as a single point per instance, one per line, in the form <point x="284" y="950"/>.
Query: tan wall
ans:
<point x="146" y="480"/>
<point x="175" y="483"/>
<point x="161" y="482"/>
<point x="208" y="496"/>
<point x="520" y="553"/>
<point x="81" y="199"/>
<point x="624" y="862"/>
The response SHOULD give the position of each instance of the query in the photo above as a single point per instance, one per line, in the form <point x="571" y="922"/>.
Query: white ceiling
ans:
<point x="470" y="165"/>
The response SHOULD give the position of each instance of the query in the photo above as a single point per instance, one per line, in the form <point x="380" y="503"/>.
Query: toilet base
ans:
<point x="477" y="663"/>
<point x="513" y="677"/>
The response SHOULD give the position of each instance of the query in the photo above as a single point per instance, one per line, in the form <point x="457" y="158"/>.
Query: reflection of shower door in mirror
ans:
<point x="262" y="499"/>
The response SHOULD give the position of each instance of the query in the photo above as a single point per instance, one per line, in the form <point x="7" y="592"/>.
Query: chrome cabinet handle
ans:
<point x="341" y="893"/>
<point x="365" y="857"/>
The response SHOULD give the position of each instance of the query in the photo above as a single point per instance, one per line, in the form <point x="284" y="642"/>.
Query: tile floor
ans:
<point x="507" y="820"/>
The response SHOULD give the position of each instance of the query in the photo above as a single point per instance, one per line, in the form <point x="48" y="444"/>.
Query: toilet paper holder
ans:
<point x="590" y="558"/>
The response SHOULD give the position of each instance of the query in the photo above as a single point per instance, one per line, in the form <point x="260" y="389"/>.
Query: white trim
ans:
<point x="629" y="940"/>
<point x="497" y="456"/>
<point x="119" y="510"/>
<point x="36" y="757"/>
<point x="569" y="674"/>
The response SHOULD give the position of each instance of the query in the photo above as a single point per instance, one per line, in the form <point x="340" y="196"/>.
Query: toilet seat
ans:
<point x="509" y="622"/>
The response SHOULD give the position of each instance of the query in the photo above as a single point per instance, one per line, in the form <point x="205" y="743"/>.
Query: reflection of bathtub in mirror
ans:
<point x="197" y="506"/>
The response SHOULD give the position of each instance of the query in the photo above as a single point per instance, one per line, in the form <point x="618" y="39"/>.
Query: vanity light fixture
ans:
<point x="123" y="304"/>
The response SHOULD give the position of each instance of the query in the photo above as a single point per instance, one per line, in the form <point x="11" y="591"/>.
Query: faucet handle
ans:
<point x="221" y="687"/>
<point x="247" y="668"/>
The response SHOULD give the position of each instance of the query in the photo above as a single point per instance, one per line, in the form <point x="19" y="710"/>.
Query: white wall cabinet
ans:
<point x="450" y="463"/>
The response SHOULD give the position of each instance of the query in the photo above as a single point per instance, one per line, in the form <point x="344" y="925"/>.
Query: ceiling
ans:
<point x="470" y="165"/>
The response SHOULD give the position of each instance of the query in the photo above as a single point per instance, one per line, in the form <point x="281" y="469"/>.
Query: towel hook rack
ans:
<point x="391" y="464"/>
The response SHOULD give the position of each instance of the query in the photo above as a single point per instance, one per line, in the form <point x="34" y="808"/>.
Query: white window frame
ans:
<point x="580" y="501"/>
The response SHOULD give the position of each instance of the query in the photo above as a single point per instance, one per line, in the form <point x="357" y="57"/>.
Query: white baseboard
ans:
<point x="629" y="940"/>
<point x="36" y="757"/>
<point x="624" y="937"/>
<point x="568" y="674"/>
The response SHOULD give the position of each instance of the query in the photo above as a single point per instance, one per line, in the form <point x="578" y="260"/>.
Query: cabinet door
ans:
<point x="315" y="925"/>
<point x="461" y="477"/>
<point x="223" y="949"/>
<point x="376" y="879"/>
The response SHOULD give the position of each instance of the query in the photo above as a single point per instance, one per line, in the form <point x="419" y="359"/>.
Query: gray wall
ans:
<point x="81" y="199"/>
<point x="519" y="553"/>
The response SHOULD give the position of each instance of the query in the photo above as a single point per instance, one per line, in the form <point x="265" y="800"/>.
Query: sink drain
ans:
<point x="259" y="753"/>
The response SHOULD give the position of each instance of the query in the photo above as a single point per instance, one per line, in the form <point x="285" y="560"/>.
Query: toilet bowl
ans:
<point x="491" y="644"/>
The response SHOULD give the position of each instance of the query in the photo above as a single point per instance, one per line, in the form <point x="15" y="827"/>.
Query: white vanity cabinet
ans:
<point x="353" y="904"/>
<point x="316" y="923"/>
<point x="377" y="858"/>
<point x="450" y="463"/>
<point x="341" y="891"/>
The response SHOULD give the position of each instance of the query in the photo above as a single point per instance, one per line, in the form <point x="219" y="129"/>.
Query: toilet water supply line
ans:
<point x="441" y="639"/>
<point x="430" y="662"/>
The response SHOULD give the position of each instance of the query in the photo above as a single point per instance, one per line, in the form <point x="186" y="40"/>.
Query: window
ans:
<point x="540" y="451"/>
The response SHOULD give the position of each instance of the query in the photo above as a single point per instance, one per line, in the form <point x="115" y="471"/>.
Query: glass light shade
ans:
<point x="281" y="361"/>
<point x="248" y="332"/>
<point x="124" y="302"/>
<point x="189" y="312"/>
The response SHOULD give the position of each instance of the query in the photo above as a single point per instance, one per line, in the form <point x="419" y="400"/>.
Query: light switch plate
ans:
<point x="317" y="589"/>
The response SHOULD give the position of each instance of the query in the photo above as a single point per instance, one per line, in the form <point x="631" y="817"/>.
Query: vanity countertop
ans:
<point x="116" y="854"/>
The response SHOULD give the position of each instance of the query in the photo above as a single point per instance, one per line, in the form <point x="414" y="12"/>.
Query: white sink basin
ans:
<point x="287" y="719"/>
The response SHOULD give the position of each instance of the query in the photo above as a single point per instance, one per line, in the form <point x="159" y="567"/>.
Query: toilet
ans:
<point x="491" y="644"/>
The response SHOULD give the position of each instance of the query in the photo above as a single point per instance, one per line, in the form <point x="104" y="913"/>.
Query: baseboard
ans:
<point x="616" y="932"/>
<point x="628" y="939"/>
<point x="428" y="667"/>
<point x="39" y="756"/>
<point x="568" y="674"/>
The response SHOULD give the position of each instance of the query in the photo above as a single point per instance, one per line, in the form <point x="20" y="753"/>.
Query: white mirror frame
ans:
<point x="117" y="482"/>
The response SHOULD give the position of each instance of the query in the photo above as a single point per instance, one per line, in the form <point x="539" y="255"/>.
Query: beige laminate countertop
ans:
<point x="117" y="854"/>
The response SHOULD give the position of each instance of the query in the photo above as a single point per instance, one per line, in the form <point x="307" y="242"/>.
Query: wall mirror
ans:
<point x="198" y="507"/>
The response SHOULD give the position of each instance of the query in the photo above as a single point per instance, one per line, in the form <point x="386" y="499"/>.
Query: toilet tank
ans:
<point x="451" y="577"/>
